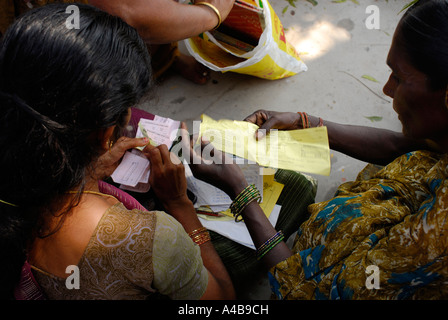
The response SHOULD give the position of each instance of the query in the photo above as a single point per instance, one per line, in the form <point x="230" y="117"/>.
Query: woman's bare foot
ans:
<point x="191" y="69"/>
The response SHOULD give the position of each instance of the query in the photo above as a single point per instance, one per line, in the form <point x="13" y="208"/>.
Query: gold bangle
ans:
<point x="215" y="10"/>
<point x="201" y="238"/>
<point x="197" y="231"/>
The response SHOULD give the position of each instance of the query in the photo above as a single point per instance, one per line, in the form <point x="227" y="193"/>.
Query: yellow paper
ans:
<point x="271" y="193"/>
<point x="305" y="150"/>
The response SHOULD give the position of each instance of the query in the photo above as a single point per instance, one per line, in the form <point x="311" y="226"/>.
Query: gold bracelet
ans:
<point x="215" y="10"/>
<point x="201" y="238"/>
<point x="197" y="231"/>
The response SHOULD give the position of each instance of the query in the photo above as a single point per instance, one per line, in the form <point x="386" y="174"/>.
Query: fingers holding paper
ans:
<point x="268" y="120"/>
<point x="167" y="175"/>
<point x="213" y="166"/>
<point x="110" y="160"/>
<point x="123" y="144"/>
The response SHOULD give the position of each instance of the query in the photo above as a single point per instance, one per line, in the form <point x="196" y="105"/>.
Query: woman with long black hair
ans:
<point x="64" y="96"/>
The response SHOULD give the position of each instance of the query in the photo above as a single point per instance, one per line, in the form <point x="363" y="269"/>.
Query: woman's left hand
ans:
<point x="109" y="161"/>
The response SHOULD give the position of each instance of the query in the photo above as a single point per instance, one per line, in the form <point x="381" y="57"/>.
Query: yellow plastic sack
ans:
<point x="272" y="58"/>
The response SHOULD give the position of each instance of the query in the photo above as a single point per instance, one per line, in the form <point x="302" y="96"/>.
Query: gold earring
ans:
<point x="111" y="144"/>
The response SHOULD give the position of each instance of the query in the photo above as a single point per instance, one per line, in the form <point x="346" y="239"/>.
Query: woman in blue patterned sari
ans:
<point x="384" y="235"/>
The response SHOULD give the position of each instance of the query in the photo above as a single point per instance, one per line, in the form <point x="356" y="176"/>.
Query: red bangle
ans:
<point x="305" y="120"/>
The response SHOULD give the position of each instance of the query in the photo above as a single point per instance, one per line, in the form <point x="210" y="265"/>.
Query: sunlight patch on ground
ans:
<point x="314" y="41"/>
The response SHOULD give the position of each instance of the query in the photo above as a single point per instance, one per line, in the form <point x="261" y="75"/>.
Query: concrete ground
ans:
<point x="338" y="49"/>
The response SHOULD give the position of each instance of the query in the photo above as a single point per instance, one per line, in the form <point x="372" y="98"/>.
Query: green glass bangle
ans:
<point x="237" y="216"/>
<point x="270" y="244"/>
<point x="274" y="238"/>
<point x="249" y="194"/>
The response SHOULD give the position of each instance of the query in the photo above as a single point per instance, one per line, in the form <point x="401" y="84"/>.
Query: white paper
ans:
<point x="161" y="130"/>
<point x="208" y="195"/>
<point x="237" y="231"/>
<point x="131" y="170"/>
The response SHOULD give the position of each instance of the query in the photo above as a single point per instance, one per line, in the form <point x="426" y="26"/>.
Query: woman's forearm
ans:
<point x="220" y="287"/>
<point x="373" y="145"/>
<point x="261" y="230"/>
<point x="161" y="21"/>
<point x="259" y="226"/>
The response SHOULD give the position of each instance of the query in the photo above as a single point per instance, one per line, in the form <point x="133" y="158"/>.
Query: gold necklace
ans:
<point x="94" y="192"/>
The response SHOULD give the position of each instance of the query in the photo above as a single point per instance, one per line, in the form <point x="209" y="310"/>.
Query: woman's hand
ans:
<point x="109" y="161"/>
<point x="268" y="120"/>
<point x="213" y="166"/>
<point x="224" y="6"/>
<point x="167" y="177"/>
